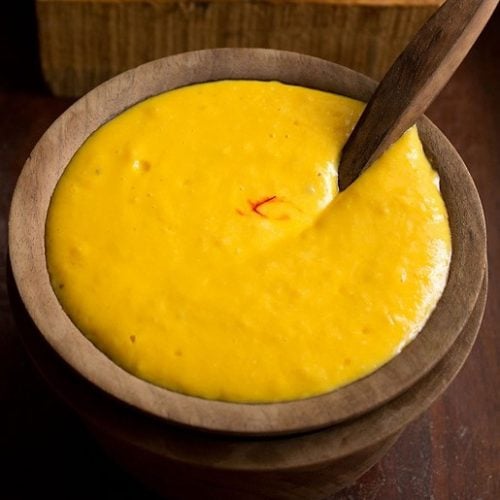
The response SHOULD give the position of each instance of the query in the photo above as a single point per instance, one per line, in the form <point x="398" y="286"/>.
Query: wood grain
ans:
<point x="85" y="42"/>
<point x="450" y="452"/>
<point x="413" y="81"/>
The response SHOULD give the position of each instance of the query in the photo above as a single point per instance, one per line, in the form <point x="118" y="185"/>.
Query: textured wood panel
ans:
<point x="85" y="42"/>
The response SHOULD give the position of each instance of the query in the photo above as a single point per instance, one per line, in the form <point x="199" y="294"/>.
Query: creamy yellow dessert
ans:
<point x="198" y="240"/>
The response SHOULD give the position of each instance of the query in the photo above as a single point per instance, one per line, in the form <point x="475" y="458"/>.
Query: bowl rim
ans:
<point x="56" y="147"/>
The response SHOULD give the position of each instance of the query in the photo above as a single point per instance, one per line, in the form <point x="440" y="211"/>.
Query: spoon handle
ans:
<point x="413" y="81"/>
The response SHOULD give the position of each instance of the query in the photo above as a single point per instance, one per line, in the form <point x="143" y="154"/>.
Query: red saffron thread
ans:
<point x="255" y="205"/>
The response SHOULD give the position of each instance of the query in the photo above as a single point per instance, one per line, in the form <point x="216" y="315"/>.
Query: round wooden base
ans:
<point x="182" y="463"/>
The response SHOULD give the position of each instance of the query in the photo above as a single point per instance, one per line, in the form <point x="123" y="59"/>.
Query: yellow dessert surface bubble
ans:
<point x="198" y="239"/>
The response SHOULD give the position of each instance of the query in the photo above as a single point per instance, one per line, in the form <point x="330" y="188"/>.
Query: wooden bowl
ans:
<point x="53" y="152"/>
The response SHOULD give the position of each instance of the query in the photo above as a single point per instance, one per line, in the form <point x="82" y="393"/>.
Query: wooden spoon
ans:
<point x="413" y="81"/>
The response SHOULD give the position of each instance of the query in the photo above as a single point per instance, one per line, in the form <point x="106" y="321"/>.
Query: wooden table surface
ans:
<point x="452" y="452"/>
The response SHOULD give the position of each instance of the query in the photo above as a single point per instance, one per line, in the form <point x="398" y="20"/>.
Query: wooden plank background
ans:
<point x="85" y="42"/>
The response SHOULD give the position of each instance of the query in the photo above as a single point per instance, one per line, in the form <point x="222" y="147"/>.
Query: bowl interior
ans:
<point x="55" y="149"/>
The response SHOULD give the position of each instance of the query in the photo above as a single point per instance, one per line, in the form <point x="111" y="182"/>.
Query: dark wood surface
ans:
<point x="451" y="452"/>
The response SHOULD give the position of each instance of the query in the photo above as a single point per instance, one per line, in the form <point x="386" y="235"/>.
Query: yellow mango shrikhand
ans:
<point x="198" y="240"/>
